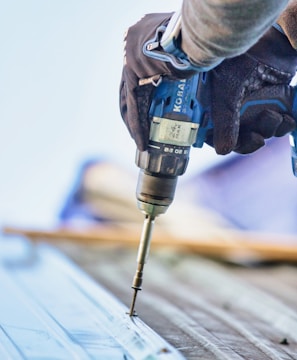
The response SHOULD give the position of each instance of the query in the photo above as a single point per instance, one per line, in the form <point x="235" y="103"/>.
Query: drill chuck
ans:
<point x="154" y="192"/>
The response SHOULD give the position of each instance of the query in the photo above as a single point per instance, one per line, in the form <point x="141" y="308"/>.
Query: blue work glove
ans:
<point x="262" y="73"/>
<point x="141" y="74"/>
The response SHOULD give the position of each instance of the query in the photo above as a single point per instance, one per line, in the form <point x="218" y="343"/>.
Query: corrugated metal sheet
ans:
<point x="50" y="309"/>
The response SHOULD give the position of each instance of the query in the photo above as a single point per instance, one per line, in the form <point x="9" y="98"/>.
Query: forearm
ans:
<point x="216" y="29"/>
<point x="288" y="22"/>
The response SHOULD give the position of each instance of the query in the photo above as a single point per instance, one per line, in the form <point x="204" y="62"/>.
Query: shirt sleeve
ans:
<point x="213" y="30"/>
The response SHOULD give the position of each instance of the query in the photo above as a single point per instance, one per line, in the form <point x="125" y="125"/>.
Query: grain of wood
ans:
<point x="206" y="309"/>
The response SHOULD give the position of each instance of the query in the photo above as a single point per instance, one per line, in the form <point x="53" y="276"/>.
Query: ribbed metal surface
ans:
<point x="50" y="309"/>
<point x="206" y="309"/>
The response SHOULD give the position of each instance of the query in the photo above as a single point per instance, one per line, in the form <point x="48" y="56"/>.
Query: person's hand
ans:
<point x="140" y="76"/>
<point x="268" y="112"/>
<point x="263" y="73"/>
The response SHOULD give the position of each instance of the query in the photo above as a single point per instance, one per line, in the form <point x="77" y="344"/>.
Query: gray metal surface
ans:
<point x="50" y="309"/>
<point x="206" y="309"/>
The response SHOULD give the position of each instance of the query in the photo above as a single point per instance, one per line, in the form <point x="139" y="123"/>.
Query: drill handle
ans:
<point x="293" y="135"/>
<point x="203" y="99"/>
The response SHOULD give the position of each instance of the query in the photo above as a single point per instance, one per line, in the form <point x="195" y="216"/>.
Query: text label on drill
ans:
<point x="179" y="96"/>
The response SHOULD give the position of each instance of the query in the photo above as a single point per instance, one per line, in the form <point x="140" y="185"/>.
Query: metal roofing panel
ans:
<point x="50" y="309"/>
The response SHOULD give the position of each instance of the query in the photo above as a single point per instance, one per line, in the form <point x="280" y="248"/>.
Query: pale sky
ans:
<point x="60" y="68"/>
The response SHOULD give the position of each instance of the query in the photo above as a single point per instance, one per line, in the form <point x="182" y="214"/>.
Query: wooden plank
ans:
<point x="207" y="310"/>
<point x="228" y="243"/>
<point x="50" y="309"/>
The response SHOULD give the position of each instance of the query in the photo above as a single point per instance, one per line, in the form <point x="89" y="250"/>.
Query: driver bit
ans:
<point x="143" y="252"/>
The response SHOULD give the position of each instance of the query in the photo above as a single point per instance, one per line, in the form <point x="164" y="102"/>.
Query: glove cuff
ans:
<point x="274" y="49"/>
<point x="165" y="46"/>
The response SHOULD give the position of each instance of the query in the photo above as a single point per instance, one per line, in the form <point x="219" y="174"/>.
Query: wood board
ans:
<point x="206" y="309"/>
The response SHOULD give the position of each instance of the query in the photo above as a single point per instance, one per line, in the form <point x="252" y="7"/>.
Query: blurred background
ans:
<point x="60" y="69"/>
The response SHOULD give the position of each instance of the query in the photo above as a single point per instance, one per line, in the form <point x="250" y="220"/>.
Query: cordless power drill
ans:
<point x="178" y="121"/>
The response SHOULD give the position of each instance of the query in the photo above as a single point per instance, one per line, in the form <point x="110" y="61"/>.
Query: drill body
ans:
<point x="178" y="121"/>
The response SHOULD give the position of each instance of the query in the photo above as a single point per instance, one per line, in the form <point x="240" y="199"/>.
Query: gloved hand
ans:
<point x="270" y="64"/>
<point x="140" y="76"/>
<point x="264" y="72"/>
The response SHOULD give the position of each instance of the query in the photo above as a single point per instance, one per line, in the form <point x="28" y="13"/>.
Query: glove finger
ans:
<point x="123" y="103"/>
<point x="288" y="124"/>
<point x="225" y="105"/>
<point x="138" y="128"/>
<point x="249" y="142"/>
<point x="272" y="123"/>
<point x="144" y="96"/>
<point x="254" y="128"/>
<point x="127" y="107"/>
<point x="225" y="132"/>
<point x="267" y="122"/>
